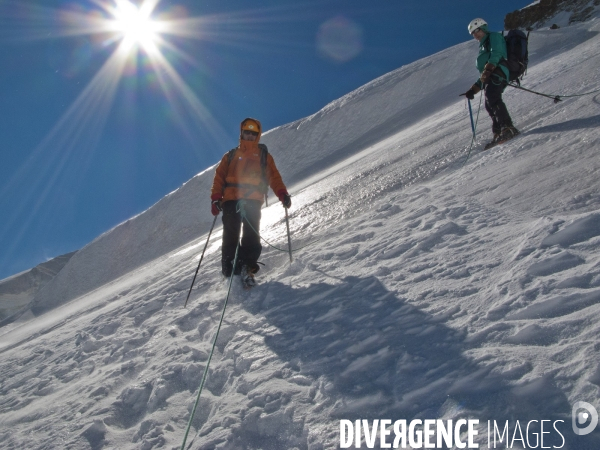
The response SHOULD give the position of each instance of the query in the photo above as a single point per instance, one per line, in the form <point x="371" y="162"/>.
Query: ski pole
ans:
<point x="201" y="257"/>
<point x="471" y="115"/>
<point x="287" y="224"/>
<point x="556" y="98"/>
<point x="475" y="127"/>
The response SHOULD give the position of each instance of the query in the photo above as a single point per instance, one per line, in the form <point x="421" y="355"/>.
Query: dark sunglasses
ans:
<point x="253" y="133"/>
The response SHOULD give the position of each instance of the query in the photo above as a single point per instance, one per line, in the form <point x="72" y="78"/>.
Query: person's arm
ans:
<point x="497" y="49"/>
<point x="218" y="187"/>
<point x="276" y="182"/>
<point x="220" y="175"/>
<point x="497" y="52"/>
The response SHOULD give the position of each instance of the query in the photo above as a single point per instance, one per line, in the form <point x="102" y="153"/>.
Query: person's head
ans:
<point x="478" y="28"/>
<point x="250" y="130"/>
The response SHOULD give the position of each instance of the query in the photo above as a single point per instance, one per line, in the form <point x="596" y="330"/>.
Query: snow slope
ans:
<point x="434" y="290"/>
<point x="17" y="292"/>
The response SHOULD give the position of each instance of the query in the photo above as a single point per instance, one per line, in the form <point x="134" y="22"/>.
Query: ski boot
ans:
<point x="247" y="274"/>
<point x="507" y="134"/>
<point x="493" y="142"/>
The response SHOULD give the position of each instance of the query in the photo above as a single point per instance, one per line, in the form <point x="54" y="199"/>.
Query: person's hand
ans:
<point x="285" y="198"/>
<point x="470" y="94"/>
<point x="216" y="205"/>
<point x="487" y="72"/>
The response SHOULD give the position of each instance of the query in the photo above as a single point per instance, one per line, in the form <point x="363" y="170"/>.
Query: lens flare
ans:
<point x="135" y="24"/>
<point x="340" y="39"/>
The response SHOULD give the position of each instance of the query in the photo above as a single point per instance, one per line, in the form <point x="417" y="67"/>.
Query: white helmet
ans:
<point x="476" y="23"/>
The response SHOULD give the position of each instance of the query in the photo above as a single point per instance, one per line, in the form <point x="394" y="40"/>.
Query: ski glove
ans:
<point x="285" y="198"/>
<point x="216" y="206"/>
<point x="487" y="72"/>
<point x="470" y="94"/>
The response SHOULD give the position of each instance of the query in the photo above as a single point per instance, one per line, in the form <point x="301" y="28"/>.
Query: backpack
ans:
<point x="517" y="54"/>
<point x="264" y="152"/>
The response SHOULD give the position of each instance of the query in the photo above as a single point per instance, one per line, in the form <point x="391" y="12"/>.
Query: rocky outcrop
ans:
<point x="537" y="15"/>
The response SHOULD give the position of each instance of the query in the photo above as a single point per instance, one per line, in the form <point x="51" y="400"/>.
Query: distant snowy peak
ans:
<point x="561" y="12"/>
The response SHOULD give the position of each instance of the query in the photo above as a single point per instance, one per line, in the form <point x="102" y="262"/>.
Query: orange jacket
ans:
<point x="242" y="178"/>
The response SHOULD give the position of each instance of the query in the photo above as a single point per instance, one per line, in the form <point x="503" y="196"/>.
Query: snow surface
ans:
<point x="425" y="288"/>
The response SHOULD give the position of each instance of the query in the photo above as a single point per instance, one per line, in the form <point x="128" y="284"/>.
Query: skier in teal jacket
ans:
<point x="493" y="80"/>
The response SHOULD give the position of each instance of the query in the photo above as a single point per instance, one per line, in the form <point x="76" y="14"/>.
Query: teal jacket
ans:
<point x="492" y="49"/>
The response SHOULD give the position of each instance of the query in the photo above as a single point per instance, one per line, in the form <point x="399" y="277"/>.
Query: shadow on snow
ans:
<point x="386" y="359"/>
<point x="569" y="125"/>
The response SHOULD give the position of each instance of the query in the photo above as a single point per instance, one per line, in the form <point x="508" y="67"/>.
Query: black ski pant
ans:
<point x="495" y="106"/>
<point x="233" y="223"/>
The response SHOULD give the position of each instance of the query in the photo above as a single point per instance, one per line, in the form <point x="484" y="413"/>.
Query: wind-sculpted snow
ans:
<point x="580" y="230"/>
<point x="423" y="287"/>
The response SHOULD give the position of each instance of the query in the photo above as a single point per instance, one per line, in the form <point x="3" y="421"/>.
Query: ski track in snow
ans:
<point x="427" y="289"/>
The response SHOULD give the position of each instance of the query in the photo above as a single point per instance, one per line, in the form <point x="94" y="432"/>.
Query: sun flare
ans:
<point x="135" y="24"/>
<point x="121" y="29"/>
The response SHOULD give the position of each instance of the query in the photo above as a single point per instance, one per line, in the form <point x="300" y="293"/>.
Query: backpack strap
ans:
<point x="264" y="154"/>
<point x="230" y="154"/>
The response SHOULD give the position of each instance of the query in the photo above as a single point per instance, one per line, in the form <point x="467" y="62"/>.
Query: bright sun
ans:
<point x="135" y="24"/>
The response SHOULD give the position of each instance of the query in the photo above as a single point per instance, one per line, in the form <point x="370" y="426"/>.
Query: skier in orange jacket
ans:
<point x="243" y="176"/>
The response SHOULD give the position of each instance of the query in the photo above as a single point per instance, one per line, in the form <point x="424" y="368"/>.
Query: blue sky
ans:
<point x="92" y="134"/>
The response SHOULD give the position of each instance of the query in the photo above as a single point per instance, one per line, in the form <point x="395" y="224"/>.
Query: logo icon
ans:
<point x="584" y="413"/>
